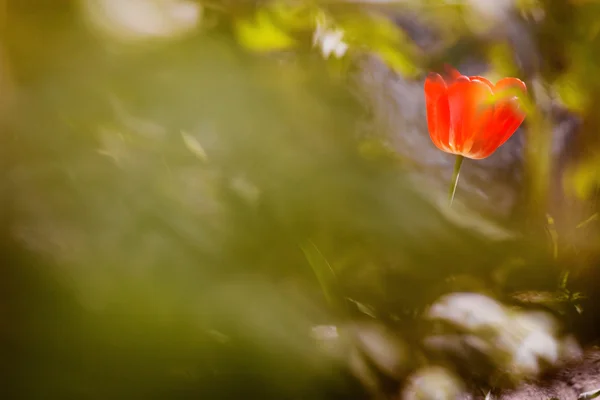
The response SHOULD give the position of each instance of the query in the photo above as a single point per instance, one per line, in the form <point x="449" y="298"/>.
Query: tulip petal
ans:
<point x="451" y="73"/>
<point x="508" y="116"/>
<point x="482" y="79"/>
<point x="470" y="112"/>
<point x="506" y="119"/>
<point x="438" y="112"/>
<point x="505" y="123"/>
<point x="510" y="83"/>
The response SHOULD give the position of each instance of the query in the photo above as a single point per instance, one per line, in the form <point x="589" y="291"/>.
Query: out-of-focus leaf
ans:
<point x="551" y="228"/>
<point x="194" y="146"/>
<point x="376" y="150"/>
<point x="501" y="59"/>
<point x="589" y="220"/>
<point x="527" y="6"/>
<point x="397" y="60"/>
<point x="365" y="309"/>
<point x="299" y="16"/>
<point x="380" y="36"/>
<point x="592" y="394"/>
<point x="583" y="179"/>
<point x="260" y="33"/>
<point x="322" y="270"/>
<point x="571" y="93"/>
<point x="557" y="301"/>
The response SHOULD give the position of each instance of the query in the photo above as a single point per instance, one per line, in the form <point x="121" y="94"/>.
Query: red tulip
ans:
<point x="469" y="116"/>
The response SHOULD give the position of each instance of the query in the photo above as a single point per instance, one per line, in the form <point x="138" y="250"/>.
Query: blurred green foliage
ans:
<point x="188" y="189"/>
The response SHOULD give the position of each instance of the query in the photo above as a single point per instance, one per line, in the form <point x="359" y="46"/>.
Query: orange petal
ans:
<point x="482" y="79"/>
<point x="438" y="113"/>
<point x="469" y="113"/>
<point x="510" y="82"/>
<point x="507" y="118"/>
<point x="452" y="73"/>
<point x="506" y="122"/>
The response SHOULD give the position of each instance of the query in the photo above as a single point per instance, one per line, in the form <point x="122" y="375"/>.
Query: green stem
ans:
<point x="455" y="175"/>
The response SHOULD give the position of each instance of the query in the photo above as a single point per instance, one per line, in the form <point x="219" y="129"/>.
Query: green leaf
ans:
<point x="571" y="93"/>
<point x="261" y="34"/>
<point x="380" y="36"/>
<point x="322" y="270"/>
<point x="584" y="178"/>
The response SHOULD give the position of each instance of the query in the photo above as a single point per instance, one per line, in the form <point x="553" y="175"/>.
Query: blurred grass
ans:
<point x="158" y="186"/>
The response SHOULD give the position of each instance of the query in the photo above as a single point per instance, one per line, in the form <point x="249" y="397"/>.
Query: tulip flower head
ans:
<point x="471" y="117"/>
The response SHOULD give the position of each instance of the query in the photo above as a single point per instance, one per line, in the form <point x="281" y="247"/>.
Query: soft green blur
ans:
<point x="190" y="187"/>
